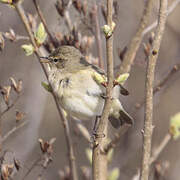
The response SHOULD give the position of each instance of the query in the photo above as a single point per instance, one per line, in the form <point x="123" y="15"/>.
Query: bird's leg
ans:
<point x="96" y="123"/>
<point x="103" y="95"/>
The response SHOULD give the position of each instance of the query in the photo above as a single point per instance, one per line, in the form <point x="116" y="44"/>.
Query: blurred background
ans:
<point x="40" y="110"/>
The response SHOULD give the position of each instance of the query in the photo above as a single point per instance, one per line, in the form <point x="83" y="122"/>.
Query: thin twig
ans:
<point x="98" y="37"/>
<point x="160" y="147"/>
<point x="136" y="40"/>
<point x="10" y="106"/>
<point x="67" y="17"/>
<point x="152" y="58"/>
<point x="40" y="14"/>
<point x="13" y="130"/>
<point x="17" y="37"/>
<point x="32" y="167"/>
<point x="84" y="132"/>
<point x="154" y="24"/>
<point x="155" y="154"/>
<point x="99" y="158"/>
<point x="116" y="138"/>
<point x="38" y="54"/>
<point x="162" y="83"/>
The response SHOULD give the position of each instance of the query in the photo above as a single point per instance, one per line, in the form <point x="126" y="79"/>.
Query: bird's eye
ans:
<point x="55" y="60"/>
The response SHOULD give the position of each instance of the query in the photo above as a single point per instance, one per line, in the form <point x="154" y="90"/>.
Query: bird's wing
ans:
<point x="86" y="64"/>
<point x="94" y="67"/>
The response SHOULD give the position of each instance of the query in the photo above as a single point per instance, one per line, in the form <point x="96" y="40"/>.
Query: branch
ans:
<point x="10" y="106"/>
<point x="116" y="138"/>
<point x="40" y="14"/>
<point x="136" y="40"/>
<point x="38" y="54"/>
<point x="36" y="162"/>
<point x="153" y="25"/>
<point x="84" y="132"/>
<point x="160" y="148"/>
<point x="152" y="58"/>
<point x="14" y="129"/>
<point x="169" y="11"/>
<point x="14" y="37"/>
<point x="98" y="37"/>
<point x="99" y="158"/>
<point x="155" y="154"/>
<point x="162" y="83"/>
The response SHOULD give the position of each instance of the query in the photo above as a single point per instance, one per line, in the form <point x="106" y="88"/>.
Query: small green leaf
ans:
<point x="100" y="79"/>
<point x="6" y="1"/>
<point x="46" y="86"/>
<point x="122" y="78"/>
<point x="114" y="174"/>
<point x="110" y="155"/>
<point x="108" y="31"/>
<point x="40" y="34"/>
<point x="28" y="49"/>
<point x="89" y="155"/>
<point x="175" y="126"/>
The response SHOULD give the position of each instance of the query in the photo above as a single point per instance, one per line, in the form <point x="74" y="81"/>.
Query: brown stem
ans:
<point x="36" y="162"/>
<point x="169" y="11"/>
<point x="38" y="54"/>
<point x="98" y="37"/>
<point x="160" y="147"/>
<point x="136" y="40"/>
<point x="154" y="24"/>
<point x="152" y="58"/>
<point x="155" y="154"/>
<point x="116" y="138"/>
<point x="40" y="14"/>
<point x="14" y="129"/>
<point x="9" y="106"/>
<point x="99" y="158"/>
<point x="162" y="83"/>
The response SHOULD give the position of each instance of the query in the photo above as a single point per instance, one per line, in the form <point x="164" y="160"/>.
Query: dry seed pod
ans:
<point x="6" y="93"/>
<point x="19" y="116"/>
<point x="6" y="171"/>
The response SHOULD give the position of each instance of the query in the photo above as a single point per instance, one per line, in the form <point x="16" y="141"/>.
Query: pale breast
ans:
<point x="79" y="94"/>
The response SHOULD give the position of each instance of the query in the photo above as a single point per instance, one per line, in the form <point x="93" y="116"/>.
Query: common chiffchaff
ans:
<point x="79" y="94"/>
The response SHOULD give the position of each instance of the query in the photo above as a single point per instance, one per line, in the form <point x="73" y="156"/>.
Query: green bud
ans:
<point x="28" y="49"/>
<point x="175" y="126"/>
<point x="40" y="34"/>
<point x="46" y="86"/>
<point x="108" y="31"/>
<point x="122" y="78"/>
<point x="100" y="79"/>
<point x="6" y="1"/>
<point x="114" y="174"/>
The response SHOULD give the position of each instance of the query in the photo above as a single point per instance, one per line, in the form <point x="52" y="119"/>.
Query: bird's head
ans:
<point x="63" y="56"/>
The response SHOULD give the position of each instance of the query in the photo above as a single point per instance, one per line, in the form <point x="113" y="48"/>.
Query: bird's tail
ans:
<point x="118" y="116"/>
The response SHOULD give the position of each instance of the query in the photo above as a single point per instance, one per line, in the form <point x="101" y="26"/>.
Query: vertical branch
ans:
<point x="99" y="157"/>
<point x="152" y="58"/>
<point x="44" y="22"/>
<point x="38" y="54"/>
<point x="136" y="40"/>
<point x="98" y="37"/>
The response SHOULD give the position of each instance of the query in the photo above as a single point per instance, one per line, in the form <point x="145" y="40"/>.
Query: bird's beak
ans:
<point x="45" y="59"/>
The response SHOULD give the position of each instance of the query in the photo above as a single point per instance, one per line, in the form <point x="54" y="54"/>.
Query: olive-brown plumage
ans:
<point x="79" y="94"/>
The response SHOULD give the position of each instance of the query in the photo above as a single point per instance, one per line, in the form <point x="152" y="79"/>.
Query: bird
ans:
<point x="78" y="93"/>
